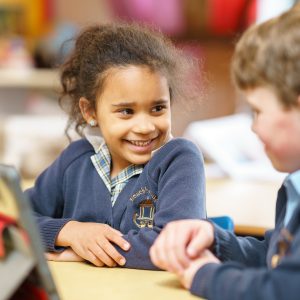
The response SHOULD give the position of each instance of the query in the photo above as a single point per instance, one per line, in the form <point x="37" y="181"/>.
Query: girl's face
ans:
<point x="133" y="113"/>
<point x="277" y="127"/>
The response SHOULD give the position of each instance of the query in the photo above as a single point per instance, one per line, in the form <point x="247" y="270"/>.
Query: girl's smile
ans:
<point x="142" y="146"/>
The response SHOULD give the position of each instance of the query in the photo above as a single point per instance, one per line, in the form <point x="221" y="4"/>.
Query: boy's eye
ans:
<point x="255" y="113"/>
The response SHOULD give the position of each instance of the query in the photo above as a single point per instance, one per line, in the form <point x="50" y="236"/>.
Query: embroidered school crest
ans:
<point x="144" y="218"/>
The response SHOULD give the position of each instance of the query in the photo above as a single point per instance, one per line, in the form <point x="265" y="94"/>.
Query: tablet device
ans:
<point x="24" y="271"/>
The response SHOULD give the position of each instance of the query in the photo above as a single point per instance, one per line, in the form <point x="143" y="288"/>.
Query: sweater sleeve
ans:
<point x="246" y="250"/>
<point x="47" y="197"/>
<point x="179" y="175"/>
<point x="232" y="280"/>
<point x="47" y="201"/>
<point x="245" y="274"/>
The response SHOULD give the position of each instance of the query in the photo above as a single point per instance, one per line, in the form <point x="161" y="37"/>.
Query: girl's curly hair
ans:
<point x="101" y="47"/>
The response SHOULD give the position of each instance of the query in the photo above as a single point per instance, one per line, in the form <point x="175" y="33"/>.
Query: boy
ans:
<point x="214" y="263"/>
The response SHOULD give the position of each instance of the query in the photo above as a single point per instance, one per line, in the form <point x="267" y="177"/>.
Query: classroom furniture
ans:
<point x="224" y="222"/>
<point x="77" y="281"/>
<point x="251" y="204"/>
<point x="31" y="79"/>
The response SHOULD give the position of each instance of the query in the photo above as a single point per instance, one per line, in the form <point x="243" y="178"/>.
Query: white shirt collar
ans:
<point x="294" y="180"/>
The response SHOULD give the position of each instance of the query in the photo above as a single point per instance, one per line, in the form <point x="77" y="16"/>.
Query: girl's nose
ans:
<point x="143" y="125"/>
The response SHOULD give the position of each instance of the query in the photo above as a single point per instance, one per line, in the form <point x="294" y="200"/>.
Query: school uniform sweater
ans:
<point x="253" y="269"/>
<point x="171" y="187"/>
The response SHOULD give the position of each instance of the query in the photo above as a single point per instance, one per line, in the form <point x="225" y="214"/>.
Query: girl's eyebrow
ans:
<point x="122" y="104"/>
<point x="131" y="104"/>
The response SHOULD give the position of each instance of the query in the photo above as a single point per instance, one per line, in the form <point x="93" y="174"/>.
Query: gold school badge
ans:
<point x="145" y="216"/>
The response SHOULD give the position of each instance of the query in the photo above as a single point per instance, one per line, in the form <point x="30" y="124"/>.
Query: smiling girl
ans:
<point x="108" y="195"/>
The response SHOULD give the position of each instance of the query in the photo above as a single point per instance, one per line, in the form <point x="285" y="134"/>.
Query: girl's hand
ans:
<point x="66" y="255"/>
<point x="180" y="242"/>
<point x="186" y="277"/>
<point x="93" y="242"/>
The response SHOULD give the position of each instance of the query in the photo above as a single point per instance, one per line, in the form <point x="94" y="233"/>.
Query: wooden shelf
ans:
<point x="33" y="79"/>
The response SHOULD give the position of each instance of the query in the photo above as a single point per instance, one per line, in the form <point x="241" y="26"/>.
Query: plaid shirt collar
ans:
<point x="102" y="163"/>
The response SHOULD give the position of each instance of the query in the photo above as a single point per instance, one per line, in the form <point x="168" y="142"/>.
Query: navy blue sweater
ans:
<point x="248" y="271"/>
<point x="171" y="187"/>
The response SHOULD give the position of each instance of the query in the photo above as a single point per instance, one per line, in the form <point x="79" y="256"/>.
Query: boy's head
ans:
<point x="266" y="66"/>
<point x="268" y="54"/>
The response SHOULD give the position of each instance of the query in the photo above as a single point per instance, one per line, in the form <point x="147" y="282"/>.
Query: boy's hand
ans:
<point x="186" y="277"/>
<point x="92" y="242"/>
<point x="180" y="242"/>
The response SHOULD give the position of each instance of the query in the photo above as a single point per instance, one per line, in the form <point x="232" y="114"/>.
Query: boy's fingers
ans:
<point x="174" y="249"/>
<point x="197" y="245"/>
<point x="202" y="240"/>
<point x="158" y="254"/>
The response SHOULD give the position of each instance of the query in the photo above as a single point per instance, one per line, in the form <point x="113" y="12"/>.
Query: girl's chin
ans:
<point x="139" y="159"/>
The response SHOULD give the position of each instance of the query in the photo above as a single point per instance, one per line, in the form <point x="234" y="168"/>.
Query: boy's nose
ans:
<point x="253" y="127"/>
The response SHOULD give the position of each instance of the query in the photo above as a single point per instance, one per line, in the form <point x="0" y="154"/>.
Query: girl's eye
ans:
<point x="125" y="111"/>
<point x="158" y="108"/>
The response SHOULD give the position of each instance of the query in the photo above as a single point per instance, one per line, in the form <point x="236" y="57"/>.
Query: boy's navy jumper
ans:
<point x="267" y="269"/>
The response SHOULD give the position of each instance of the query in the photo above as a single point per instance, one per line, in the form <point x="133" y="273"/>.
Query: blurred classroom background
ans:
<point x="31" y="37"/>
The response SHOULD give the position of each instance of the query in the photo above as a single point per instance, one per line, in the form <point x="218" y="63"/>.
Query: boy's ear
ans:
<point x="87" y="110"/>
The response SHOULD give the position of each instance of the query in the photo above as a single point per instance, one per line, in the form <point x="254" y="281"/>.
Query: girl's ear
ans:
<point x="87" y="111"/>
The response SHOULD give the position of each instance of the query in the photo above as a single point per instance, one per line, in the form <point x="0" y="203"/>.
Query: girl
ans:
<point x="107" y="196"/>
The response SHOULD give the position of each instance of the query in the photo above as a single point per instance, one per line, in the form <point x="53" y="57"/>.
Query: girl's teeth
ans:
<point x="140" y="143"/>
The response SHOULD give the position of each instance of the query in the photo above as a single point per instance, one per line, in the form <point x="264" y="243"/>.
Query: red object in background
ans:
<point x="29" y="291"/>
<point x="167" y="15"/>
<point x="231" y="16"/>
<point x="5" y="222"/>
<point x="48" y="10"/>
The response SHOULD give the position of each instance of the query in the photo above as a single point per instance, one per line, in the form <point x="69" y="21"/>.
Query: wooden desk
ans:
<point x="78" y="281"/>
<point x="251" y="205"/>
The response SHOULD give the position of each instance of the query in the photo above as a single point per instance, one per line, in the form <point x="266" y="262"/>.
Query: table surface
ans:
<point x="77" y="281"/>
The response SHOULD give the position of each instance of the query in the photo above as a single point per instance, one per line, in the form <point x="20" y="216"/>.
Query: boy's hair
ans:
<point x="101" y="47"/>
<point x="268" y="54"/>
